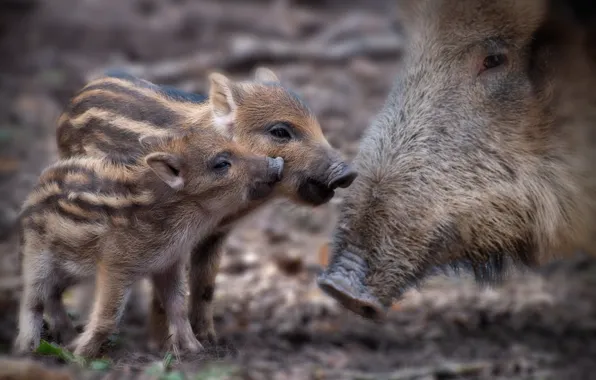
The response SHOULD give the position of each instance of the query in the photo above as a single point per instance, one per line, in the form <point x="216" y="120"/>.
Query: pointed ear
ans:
<point x="150" y="141"/>
<point x="222" y="102"/>
<point x="167" y="167"/>
<point x="263" y="74"/>
<point x="154" y="141"/>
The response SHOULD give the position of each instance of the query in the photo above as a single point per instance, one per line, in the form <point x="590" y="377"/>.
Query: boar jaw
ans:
<point x="344" y="280"/>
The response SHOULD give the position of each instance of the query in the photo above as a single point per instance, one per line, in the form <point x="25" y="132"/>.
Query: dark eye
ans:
<point x="221" y="164"/>
<point x="493" y="61"/>
<point x="281" y="131"/>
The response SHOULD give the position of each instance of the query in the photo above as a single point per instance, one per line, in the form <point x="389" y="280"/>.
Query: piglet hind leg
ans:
<point x="30" y="320"/>
<point x="111" y="291"/>
<point x="170" y="289"/>
<point x="39" y="283"/>
<point x="60" y="323"/>
<point x="158" y="323"/>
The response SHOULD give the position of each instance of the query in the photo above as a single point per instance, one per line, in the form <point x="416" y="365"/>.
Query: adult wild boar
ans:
<point x="484" y="150"/>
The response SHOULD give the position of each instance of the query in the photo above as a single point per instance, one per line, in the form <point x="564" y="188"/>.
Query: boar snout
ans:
<point x="344" y="280"/>
<point x="341" y="175"/>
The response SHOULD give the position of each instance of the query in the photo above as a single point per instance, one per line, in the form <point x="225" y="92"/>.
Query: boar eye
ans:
<point x="281" y="131"/>
<point x="221" y="164"/>
<point x="493" y="61"/>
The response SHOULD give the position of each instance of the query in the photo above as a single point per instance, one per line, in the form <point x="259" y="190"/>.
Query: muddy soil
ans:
<point x="272" y="321"/>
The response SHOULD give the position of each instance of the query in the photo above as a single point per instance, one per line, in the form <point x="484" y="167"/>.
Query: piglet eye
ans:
<point x="281" y="131"/>
<point x="493" y="61"/>
<point x="221" y="164"/>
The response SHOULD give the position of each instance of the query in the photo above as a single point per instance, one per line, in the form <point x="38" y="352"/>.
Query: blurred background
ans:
<point x="272" y="321"/>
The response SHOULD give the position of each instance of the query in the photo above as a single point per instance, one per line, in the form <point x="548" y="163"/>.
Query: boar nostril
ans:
<point x="351" y="295"/>
<point x="343" y="180"/>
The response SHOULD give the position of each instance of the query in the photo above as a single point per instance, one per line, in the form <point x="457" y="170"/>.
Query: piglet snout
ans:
<point x="342" y="175"/>
<point x="275" y="169"/>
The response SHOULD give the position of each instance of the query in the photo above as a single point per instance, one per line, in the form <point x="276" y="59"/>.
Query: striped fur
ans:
<point x="107" y="117"/>
<point x="124" y="221"/>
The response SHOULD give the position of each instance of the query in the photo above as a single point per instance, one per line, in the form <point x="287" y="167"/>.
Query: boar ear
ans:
<point x="223" y="104"/>
<point x="264" y="75"/>
<point x="167" y="167"/>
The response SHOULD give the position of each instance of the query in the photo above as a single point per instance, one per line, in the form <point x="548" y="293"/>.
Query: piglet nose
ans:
<point x="343" y="179"/>
<point x="276" y="168"/>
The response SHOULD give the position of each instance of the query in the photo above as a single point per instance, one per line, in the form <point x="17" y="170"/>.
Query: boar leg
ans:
<point x="204" y="265"/>
<point x="170" y="288"/>
<point x="112" y="288"/>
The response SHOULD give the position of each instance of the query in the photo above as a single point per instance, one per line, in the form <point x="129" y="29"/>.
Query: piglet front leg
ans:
<point x="170" y="289"/>
<point x="204" y="266"/>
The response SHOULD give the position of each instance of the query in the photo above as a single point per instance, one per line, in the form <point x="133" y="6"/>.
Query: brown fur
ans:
<point x="245" y="110"/>
<point x="89" y="215"/>
<point x="466" y="164"/>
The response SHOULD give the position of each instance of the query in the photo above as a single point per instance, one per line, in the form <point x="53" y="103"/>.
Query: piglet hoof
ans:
<point x="205" y="334"/>
<point x="23" y="346"/>
<point x="86" y="351"/>
<point x="208" y="336"/>
<point x="154" y="345"/>
<point x="84" y="347"/>
<point x="65" y="335"/>
<point x="185" y="341"/>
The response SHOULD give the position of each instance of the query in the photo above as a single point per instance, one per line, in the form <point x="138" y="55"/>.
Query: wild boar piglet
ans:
<point x="92" y="216"/>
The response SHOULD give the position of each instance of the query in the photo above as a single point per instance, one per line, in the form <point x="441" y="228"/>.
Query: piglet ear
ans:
<point x="264" y="75"/>
<point x="155" y="141"/>
<point x="223" y="104"/>
<point x="150" y="141"/>
<point x="167" y="167"/>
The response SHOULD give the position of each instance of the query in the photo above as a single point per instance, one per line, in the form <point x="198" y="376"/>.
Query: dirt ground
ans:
<point x="272" y="321"/>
